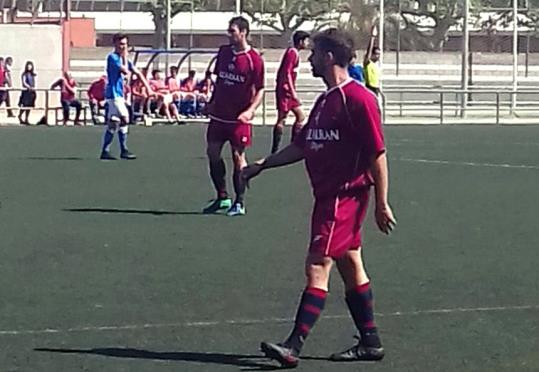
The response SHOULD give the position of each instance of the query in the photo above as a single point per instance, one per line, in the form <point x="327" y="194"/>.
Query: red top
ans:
<point x="65" y="94"/>
<point x="342" y="134"/>
<point x="97" y="90"/>
<point x="188" y="85"/>
<point x="240" y="75"/>
<point x="172" y="84"/>
<point x="2" y="76"/>
<point x="289" y="66"/>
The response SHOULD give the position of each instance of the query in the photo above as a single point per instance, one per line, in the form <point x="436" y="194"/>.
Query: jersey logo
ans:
<point x="315" y="146"/>
<point x="321" y="134"/>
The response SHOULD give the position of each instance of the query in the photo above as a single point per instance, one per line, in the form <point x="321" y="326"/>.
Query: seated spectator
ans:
<point x="68" y="87"/>
<point x="27" y="99"/>
<point x="205" y="89"/>
<point x="172" y="84"/>
<point x="96" y="97"/>
<point x="164" y="103"/>
<point x="141" y="97"/>
<point x="189" y="95"/>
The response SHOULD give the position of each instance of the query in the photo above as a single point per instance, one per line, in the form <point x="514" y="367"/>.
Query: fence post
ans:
<point x="47" y="106"/>
<point x="497" y="107"/>
<point x="264" y="108"/>
<point x="441" y="107"/>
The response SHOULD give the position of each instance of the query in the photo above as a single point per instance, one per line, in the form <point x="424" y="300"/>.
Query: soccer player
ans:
<point x="355" y="70"/>
<point x="68" y="88"/>
<point x="371" y="70"/>
<point x="286" y="96"/>
<point x="118" y="66"/>
<point x="8" y="83"/>
<point x="239" y="90"/>
<point x="343" y="148"/>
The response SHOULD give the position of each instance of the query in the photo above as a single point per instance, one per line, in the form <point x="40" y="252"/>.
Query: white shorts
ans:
<point x="116" y="108"/>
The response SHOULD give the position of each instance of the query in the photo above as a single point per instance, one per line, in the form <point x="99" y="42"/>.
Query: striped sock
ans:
<point x="309" y="309"/>
<point x="360" y="303"/>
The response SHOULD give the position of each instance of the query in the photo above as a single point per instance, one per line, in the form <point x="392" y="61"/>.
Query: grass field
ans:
<point x="108" y="266"/>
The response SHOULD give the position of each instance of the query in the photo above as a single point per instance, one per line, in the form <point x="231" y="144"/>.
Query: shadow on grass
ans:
<point x="53" y="158"/>
<point x="132" y="211"/>
<point x="245" y="362"/>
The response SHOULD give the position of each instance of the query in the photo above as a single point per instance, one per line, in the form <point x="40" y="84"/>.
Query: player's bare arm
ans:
<point x="249" y="114"/>
<point x="383" y="213"/>
<point x="370" y="46"/>
<point x="143" y="79"/>
<point x="289" y="155"/>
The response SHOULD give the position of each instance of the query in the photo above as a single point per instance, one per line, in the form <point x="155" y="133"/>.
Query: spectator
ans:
<point x="355" y="70"/>
<point x="205" y="89"/>
<point x="68" y="92"/>
<point x="96" y="97"/>
<point x="189" y="95"/>
<point x="7" y="83"/>
<point x="164" y="103"/>
<point x="140" y="96"/>
<point x="28" y="94"/>
<point x="172" y="84"/>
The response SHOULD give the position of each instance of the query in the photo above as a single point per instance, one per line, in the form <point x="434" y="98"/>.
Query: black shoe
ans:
<point x="287" y="357"/>
<point x="105" y="155"/>
<point x="216" y="205"/>
<point x="358" y="353"/>
<point x="128" y="155"/>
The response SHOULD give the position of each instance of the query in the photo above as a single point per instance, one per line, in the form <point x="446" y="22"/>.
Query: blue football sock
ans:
<point x="122" y="137"/>
<point x="107" y="139"/>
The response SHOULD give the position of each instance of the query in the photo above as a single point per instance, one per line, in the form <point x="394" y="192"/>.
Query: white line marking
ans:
<point x="468" y="164"/>
<point x="254" y="321"/>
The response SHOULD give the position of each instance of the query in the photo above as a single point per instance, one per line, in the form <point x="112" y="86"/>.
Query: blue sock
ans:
<point x="122" y="137"/>
<point x="107" y="139"/>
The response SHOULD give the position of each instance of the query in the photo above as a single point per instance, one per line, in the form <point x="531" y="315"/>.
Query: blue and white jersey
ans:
<point x="115" y="80"/>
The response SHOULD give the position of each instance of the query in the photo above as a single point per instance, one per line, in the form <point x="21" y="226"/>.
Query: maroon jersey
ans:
<point x="289" y="66"/>
<point x="342" y="134"/>
<point x="239" y="76"/>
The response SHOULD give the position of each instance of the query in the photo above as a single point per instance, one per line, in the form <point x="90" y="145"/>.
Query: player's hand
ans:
<point x="384" y="218"/>
<point x="251" y="171"/>
<point x="374" y="31"/>
<point x="246" y="116"/>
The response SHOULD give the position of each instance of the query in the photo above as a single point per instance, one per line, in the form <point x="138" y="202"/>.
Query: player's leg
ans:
<point x="65" y="111"/>
<point x="240" y="162"/>
<point x="359" y="299"/>
<point x="214" y="148"/>
<point x="110" y="128"/>
<point x="278" y="129"/>
<point x="122" y="135"/>
<point x="313" y="298"/>
<point x="298" y="123"/>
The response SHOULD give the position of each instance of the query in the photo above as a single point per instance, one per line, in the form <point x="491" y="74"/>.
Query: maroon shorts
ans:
<point x="285" y="102"/>
<point x="239" y="135"/>
<point x="336" y="224"/>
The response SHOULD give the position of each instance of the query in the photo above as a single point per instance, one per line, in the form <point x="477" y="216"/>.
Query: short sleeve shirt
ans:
<point x="115" y="79"/>
<point x="240" y="75"/>
<point x="342" y="135"/>
<point x="289" y="66"/>
<point x="372" y="75"/>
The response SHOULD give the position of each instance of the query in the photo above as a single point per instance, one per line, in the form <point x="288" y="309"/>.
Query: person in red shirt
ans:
<point x="96" y="96"/>
<point x="163" y="103"/>
<point x="286" y="96"/>
<point x="68" y="92"/>
<point x="205" y="89"/>
<point x="173" y="85"/>
<point x="239" y="90"/>
<point x="189" y="94"/>
<point x="342" y="145"/>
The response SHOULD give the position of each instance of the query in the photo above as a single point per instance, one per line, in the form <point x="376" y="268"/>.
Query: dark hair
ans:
<point x="27" y="69"/>
<point x="241" y="23"/>
<point x="375" y="49"/>
<point x="119" y="36"/>
<point x="299" y="36"/>
<point x="173" y="69"/>
<point x="155" y="72"/>
<point x="208" y="73"/>
<point x="9" y="59"/>
<point x="338" y="42"/>
<point x="192" y="72"/>
<point x="1" y="58"/>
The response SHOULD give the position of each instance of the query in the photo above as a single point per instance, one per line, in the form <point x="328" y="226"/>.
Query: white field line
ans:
<point x="247" y="322"/>
<point x="468" y="164"/>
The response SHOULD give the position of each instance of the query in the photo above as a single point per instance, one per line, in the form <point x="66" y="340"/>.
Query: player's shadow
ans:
<point x="245" y="362"/>
<point x="132" y="211"/>
<point x="54" y="158"/>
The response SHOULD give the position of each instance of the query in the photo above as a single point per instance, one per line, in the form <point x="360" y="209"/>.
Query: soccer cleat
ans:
<point x="358" y="352"/>
<point x="217" y="205"/>
<point x="287" y="357"/>
<point x="236" y="210"/>
<point x="105" y="155"/>
<point x="128" y="155"/>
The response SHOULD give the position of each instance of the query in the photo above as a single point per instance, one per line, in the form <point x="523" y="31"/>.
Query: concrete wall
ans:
<point x="41" y="44"/>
